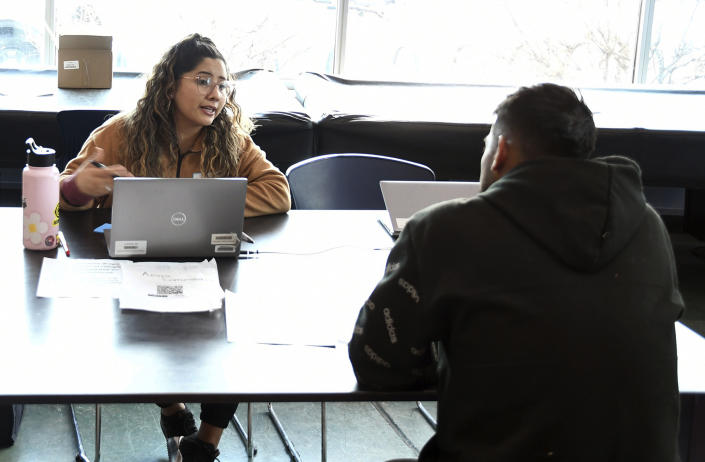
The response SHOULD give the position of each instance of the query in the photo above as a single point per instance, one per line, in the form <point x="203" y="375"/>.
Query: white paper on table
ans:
<point x="321" y="312"/>
<point x="253" y="317"/>
<point x="79" y="277"/>
<point x="170" y="287"/>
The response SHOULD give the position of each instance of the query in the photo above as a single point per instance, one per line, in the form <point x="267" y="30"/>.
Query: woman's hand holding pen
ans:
<point x="95" y="179"/>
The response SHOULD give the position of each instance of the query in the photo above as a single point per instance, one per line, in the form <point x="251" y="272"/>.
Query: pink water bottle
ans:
<point x="40" y="198"/>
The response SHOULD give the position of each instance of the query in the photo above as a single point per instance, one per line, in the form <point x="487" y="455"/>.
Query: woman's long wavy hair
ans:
<point x="150" y="129"/>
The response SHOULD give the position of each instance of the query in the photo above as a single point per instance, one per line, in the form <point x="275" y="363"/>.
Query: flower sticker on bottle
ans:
<point x="34" y="227"/>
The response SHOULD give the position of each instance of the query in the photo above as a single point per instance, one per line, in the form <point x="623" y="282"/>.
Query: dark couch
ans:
<point x="283" y="128"/>
<point x="443" y="126"/>
<point x="440" y="125"/>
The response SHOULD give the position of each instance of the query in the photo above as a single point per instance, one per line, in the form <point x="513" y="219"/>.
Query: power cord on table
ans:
<point x="249" y="254"/>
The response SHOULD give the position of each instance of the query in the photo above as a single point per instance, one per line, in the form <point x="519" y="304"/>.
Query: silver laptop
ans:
<point x="404" y="198"/>
<point x="177" y="217"/>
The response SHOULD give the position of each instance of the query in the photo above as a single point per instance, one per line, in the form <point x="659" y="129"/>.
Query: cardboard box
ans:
<point x="85" y="61"/>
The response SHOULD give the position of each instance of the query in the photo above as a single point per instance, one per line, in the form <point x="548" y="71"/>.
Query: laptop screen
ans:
<point x="404" y="198"/>
<point x="177" y="217"/>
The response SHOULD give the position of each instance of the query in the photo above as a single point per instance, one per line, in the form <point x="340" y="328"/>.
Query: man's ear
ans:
<point x="500" y="156"/>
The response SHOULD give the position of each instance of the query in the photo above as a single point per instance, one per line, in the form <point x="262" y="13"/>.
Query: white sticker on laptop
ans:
<point x="401" y="222"/>
<point x="220" y="248"/>
<point x="71" y="65"/>
<point x="126" y="248"/>
<point x="224" y="238"/>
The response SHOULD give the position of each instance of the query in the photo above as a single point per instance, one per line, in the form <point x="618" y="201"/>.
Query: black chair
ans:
<point x="348" y="181"/>
<point x="75" y="126"/>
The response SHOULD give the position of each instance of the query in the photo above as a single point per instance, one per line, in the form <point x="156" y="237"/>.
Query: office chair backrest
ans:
<point x="348" y="181"/>
<point x="75" y="127"/>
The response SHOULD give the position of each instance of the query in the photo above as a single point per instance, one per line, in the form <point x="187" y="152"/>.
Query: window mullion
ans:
<point x="49" y="33"/>
<point x="341" y="31"/>
<point x="643" y="47"/>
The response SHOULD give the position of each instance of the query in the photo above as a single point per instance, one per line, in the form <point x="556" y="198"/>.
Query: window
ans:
<point x="677" y="44"/>
<point x="478" y="41"/>
<point x="283" y="35"/>
<point x="21" y="34"/>
<point x="579" y="42"/>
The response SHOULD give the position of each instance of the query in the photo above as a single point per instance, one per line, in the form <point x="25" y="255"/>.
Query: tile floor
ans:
<point x="357" y="432"/>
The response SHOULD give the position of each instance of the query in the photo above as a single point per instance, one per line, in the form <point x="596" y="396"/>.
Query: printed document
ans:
<point x="79" y="277"/>
<point x="170" y="286"/>
<point x="177" y="287"/>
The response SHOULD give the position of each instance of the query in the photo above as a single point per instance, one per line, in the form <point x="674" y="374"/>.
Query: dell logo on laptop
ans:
<point x="178" y="218"/>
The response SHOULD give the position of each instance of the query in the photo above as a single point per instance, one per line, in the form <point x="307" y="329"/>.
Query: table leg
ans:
<point x="251" y="449"/>
<point x="324" y="443"/>
<point x="295" y="457"/>
<point x="426" y="415"/>
<point x="98" y="423"/>
<point x="246" y="438"/>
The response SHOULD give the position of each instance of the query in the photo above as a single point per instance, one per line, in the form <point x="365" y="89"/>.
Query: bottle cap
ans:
<point x="39" y="156"/>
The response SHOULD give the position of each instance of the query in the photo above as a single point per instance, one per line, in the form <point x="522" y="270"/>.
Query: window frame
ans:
<point x="641" y="55"/>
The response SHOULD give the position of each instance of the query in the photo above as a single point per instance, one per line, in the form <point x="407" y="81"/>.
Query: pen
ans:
<point x="64" y="243"/>
<point x="95" y="163"/>
<point x="247" y="238"/>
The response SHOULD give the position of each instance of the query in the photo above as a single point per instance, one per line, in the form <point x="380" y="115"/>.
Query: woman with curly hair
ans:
<point x="186" y="124"/>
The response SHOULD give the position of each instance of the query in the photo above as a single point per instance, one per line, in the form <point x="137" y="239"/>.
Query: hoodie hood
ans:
<point x="582" y="211"/>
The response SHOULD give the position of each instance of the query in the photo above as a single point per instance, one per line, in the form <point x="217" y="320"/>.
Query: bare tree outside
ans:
<point x="282" y="35"/>
<point x="475" y="41"/>
<point x="677" y="52"/>
<point x="578" y="42"/>
<point x="598" y="47"/>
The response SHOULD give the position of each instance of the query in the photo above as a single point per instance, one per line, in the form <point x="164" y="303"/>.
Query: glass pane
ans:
<point x="677" y="54"/>
<point x="505" y="41"/>
<point x="21" y="34"/>
<point x="284" y="35"/>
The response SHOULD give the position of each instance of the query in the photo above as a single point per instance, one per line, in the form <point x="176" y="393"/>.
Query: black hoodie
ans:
<point x="552" y="298"/>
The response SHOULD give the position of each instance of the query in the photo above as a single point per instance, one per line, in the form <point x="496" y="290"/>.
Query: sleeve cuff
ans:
<point x="71" y="194"/>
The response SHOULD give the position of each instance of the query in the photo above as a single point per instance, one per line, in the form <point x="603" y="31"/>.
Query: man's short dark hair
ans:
<point x="547" y="120"/>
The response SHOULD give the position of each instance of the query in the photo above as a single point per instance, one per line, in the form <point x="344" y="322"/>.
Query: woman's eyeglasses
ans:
<point x="205" y="84"/>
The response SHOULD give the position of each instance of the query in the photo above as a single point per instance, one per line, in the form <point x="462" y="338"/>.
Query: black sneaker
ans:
<point x="194" y="450"/>
<point x="178" y="424"/>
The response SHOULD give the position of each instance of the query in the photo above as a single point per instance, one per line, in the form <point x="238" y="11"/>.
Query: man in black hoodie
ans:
<point x="542" y="310"/>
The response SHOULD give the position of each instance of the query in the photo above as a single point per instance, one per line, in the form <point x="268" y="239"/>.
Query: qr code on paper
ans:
<point x="170" y="290"/>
